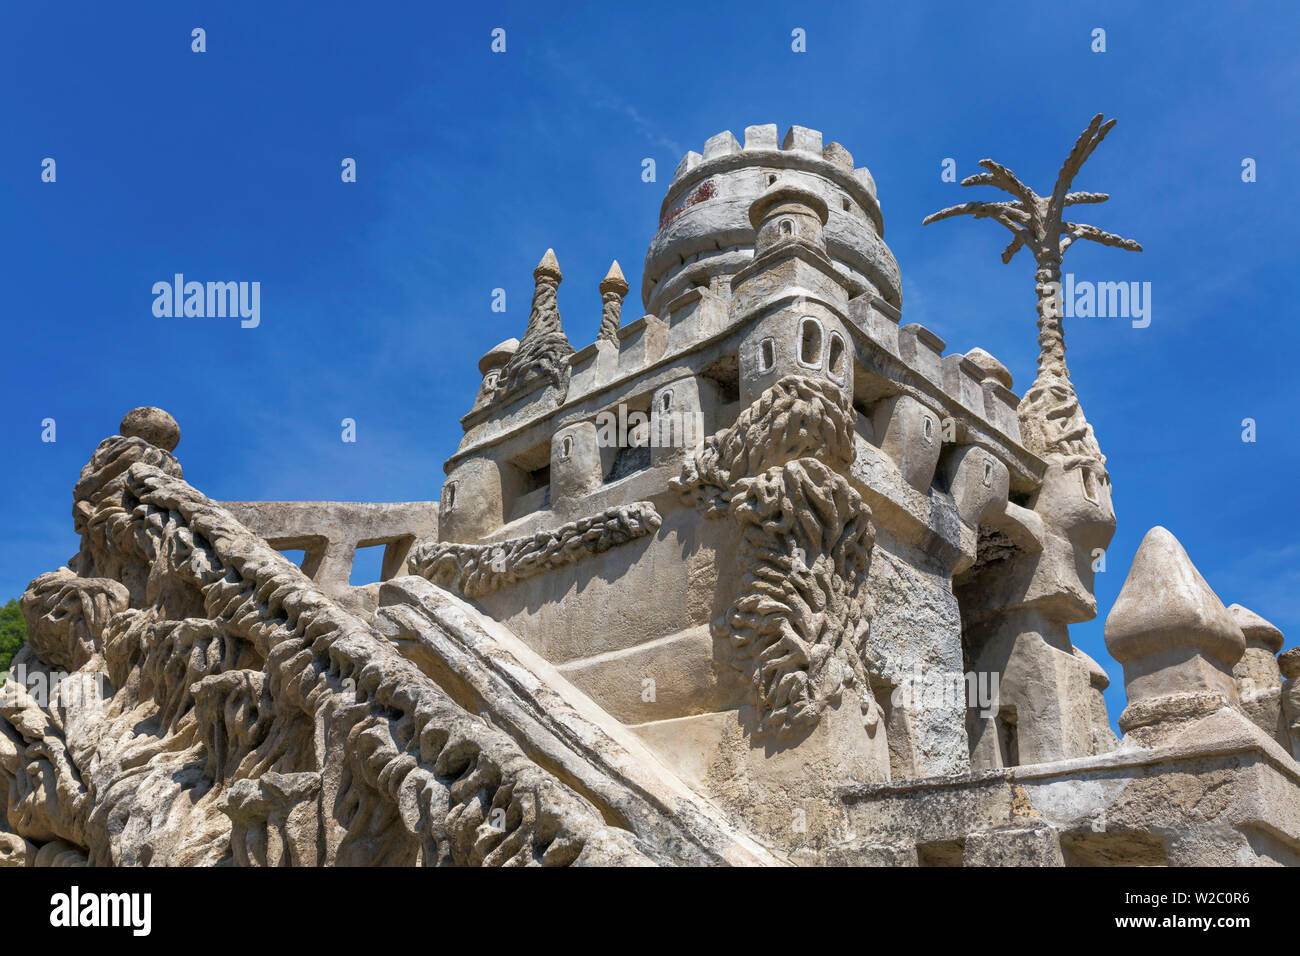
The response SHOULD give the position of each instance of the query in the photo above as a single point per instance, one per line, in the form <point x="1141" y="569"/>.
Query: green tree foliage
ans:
<point x="13" y="634"/>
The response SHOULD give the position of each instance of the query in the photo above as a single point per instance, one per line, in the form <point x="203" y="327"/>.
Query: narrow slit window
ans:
<point x="1008" y="737"/>
<point x="835" y="360"/>
<point x="566" y="448"/>
<point x="1089" y="484"/>
<point x="667" y="401"/>
<point x="787" y="227"/>
<point x="766" y="355"/>
<point x="810" y="343"/>
<point x="988" y="474"/>
<point x="927" y="429"/>
<point x="450" y="495"/>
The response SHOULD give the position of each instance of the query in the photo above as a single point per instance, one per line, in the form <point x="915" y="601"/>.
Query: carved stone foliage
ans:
<point x="798" y="621"/>
<point x="1052" y="425"/>
<point x="274" y="819"/>
<point x="47" y="797"/>
<point x="227" y="711"/>
<point x="476" y="569"/>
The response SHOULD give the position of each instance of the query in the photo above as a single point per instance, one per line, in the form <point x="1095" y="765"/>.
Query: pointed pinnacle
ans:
<point x="548" y="267"/>
<point x="1165" y="606"/>
<point x="614" y="281"/>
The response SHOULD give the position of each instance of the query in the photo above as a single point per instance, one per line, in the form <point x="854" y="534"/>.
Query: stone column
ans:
<point x="1016" y="611"/>
<point x="544" y="351"/>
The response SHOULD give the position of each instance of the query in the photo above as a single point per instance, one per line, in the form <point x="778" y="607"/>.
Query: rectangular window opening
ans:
<point x="941" y="853"/>
<point x="367" y="565"/>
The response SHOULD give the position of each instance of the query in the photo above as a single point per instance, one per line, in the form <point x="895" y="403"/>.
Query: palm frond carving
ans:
<point x="1036" y="223"/>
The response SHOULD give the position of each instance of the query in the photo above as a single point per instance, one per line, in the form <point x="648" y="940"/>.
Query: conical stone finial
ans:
<point x="548" y="268"/>
<point x="1176" y="640"/>
<point x="153" y="425"/>
<point x="612" y="290"/>
<point x="614" y="281"/>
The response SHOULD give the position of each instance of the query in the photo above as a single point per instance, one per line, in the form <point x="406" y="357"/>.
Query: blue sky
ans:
<point x="376" y="295"/>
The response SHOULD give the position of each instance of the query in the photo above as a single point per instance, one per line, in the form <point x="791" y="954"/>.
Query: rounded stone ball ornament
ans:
<point x="154" y="425"/>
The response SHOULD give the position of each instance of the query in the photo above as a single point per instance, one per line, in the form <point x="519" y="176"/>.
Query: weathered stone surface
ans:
<point x="189" y="738"/>
<point x="1220" y="793"/>
<point x="1013" y="846"/>
<point x="762" y="577"/>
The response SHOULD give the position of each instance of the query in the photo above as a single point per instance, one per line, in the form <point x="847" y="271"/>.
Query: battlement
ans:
<point x="704" y="233"/>
<point x="782" y="303"/>
<point x="798" y="139"/>
<point x="975" y="381"/>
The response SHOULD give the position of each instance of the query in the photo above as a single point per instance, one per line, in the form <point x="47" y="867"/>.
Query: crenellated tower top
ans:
<point x="705" y="235"/>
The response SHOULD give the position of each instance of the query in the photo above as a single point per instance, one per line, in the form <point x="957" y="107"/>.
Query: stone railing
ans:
<point x="329" y="533"/>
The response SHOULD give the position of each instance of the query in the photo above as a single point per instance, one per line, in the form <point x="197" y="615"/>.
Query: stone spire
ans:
<point x="612" y="290"/>
<point x="1176" y="640"/>
<point x="545" y="349"/>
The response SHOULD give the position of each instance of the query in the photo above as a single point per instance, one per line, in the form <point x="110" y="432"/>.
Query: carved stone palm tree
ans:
<point x="1050" y="416"/>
